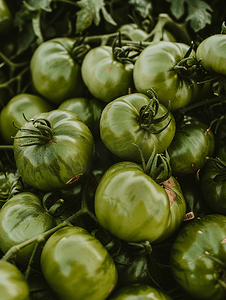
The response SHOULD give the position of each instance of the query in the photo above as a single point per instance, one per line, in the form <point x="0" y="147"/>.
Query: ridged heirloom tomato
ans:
<point x="106" y="75"/>
<point x="156" y="68"/>
<point x="77" y="266"/>
<point x="134" y="207"/>
<point x="198" y="257"/>
<point x="133" y="121"/>
<point x="53" y="149"/>
<point x="192" y="144"/>
<point x="55" y="72"/>
<point x="22" y="217"/>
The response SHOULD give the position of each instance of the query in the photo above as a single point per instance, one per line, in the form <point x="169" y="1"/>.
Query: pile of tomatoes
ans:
<point x="113" y="171"/>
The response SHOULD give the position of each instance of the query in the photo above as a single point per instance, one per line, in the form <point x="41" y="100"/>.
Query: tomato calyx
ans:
<point x="122" y="54"/>
<point x="147" y="116"/>
<point x="158" y="166"/>
<point x="41" y="134"/>
<point x="221" y="166"/>
<point x="79" y="50"/>
<point x="189" y="66"/>
<point x="52" y="205"/>
<point x="140" y="248"/>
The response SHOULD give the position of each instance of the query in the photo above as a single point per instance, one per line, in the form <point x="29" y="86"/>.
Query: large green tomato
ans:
<point x="139" y="291"/>
<point x="211" y="54"/>
<point x="53" y="150"/>
<point x="133" y="207"/>
<point x="106" y="77"/>
<point x="28" y="104"/>
<point x="21" y="218"/>
<point x="133" y="121"/>
<point x="155" y="68"/>
<point x="77" y="266"/>
<point x="192" y="144"/>
<point x="198" y="258"/>
<point x="55" y="73"/>
<point x="13" y="285"/>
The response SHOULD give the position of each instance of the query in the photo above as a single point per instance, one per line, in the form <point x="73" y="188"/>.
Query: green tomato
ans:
<point x="21" y="218"/>
<point x="6" y="20"/>
<point x="55" y="73"/>
<point x="213" y="184"/>
<point x="192" y="144"/>
<point x="13" y="285"/>
<point x="198" y="258"/>
<point x="106" y="77"/>
<point x="77" y="266"/>
<point x="139" y="291"/>
<point x="28" y="104"/>
<point x="125" y="125"/>
<point x="211" y="53"/>
<point x="133" y="207"/>
<point x="155" y="68"/>
<point x="134" y="32"/>
<point x="89" y="110"/>
<point x="53" y="150"/>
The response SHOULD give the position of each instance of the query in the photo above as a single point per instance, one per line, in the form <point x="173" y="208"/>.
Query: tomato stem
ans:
<point x="122" y="54"/>
<point x="40" y="135"/>
<point x="148" y="113"/>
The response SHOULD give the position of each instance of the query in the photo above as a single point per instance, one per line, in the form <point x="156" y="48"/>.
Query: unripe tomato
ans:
<point x="55" y="73"/>
<point x="77" y="266"/>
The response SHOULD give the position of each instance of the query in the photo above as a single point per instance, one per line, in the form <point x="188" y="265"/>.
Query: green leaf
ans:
<point x="25" y="38"/>
<point x="198" y="12"/>
<point x="143" y="7"/>
<point x="90" y="12"/>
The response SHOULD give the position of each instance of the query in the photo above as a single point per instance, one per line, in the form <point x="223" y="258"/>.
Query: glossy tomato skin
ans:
<point x="21" y="218"/>
<point x="192" y="143"/>
<point x="77" y="266"/>
<point x="121" y="132"/>
<point x="13" y="284"/>
<point x="155" y="68"/>
<point x="28" y="104"/>
<point x="139" y="291"/>
<point x="211" y="53"/>
<point x="55" y="73"/>
<point x="191" y="263"/>
<point x="89" y="110"/>
<point x="133" y="207"/>
<point x="62" y="159"/>
<point x="105" y="77"/>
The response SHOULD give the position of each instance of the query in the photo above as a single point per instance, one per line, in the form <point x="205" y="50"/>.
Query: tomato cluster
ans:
<point x="113" y="170"/>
